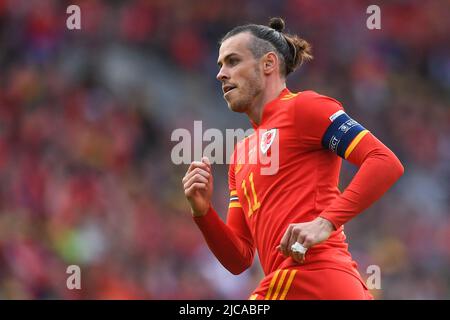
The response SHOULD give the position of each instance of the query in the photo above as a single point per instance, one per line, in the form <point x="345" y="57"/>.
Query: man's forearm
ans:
<point x="233" y="253"/>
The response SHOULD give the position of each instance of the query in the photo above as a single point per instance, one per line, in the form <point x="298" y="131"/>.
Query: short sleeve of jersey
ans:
<point x="321" y="122"/>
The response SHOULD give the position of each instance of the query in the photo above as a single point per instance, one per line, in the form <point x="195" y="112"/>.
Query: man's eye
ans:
<point x="233" y="62"/>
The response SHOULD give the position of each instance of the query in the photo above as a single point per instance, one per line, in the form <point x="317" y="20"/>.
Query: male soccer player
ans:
<point x="294" y="217"/>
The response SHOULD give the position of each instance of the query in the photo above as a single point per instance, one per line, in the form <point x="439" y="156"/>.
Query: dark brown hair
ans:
<point x="291" y="49"/>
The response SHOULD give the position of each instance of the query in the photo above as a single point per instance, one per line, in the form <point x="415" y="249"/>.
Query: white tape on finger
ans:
<point x="297" y="247"/>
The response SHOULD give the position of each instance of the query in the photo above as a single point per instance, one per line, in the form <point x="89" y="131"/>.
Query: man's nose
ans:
<point x="222" y="75"/>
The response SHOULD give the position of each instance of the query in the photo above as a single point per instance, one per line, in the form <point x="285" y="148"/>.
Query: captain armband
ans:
<point x="343" y="134"/>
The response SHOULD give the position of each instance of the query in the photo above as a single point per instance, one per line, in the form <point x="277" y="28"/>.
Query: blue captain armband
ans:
<point x="343" y="134"/>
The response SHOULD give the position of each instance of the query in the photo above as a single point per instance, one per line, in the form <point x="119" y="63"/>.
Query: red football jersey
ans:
<point x="287" y="172"/>
<point x="301" y="177"/>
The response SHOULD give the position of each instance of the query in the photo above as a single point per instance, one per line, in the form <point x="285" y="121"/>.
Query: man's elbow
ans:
<point x="397" y="168"/>
<point x="393" y="169"/>
<point x="238" y="268"/>
<point x="237" y="271"/>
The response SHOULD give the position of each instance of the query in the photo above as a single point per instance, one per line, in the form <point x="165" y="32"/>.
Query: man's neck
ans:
<point x="270" y="93"/>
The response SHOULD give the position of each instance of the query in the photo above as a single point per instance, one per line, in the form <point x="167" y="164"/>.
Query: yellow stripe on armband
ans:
<point x="355" y="143"/>
<point x="233" y="193"/>
<point x="235" y="205"/>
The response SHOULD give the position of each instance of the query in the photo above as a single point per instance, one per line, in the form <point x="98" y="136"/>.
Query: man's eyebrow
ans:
<point x="228" y="56"/>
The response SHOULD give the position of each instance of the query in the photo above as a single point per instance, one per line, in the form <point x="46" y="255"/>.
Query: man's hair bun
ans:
<point x="277" y="24"/>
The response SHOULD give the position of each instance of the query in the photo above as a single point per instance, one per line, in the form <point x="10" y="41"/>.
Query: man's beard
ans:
<point x="248" y="92"/>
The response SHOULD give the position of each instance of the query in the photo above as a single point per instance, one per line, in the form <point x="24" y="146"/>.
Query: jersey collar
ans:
<point x="270" y="108"/>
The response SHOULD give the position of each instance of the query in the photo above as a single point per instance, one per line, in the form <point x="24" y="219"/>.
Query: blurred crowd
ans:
<point x="86" y="118"/>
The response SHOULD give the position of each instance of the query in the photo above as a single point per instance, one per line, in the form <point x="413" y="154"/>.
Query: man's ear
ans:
<point x="270" y="63"/>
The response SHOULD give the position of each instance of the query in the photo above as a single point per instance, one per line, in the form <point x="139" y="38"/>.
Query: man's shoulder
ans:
<point x="310" y="102"/>
<point x="309" y="97"/>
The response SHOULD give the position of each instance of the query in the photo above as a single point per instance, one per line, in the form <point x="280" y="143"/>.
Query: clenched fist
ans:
<point x="198" y="186"/>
